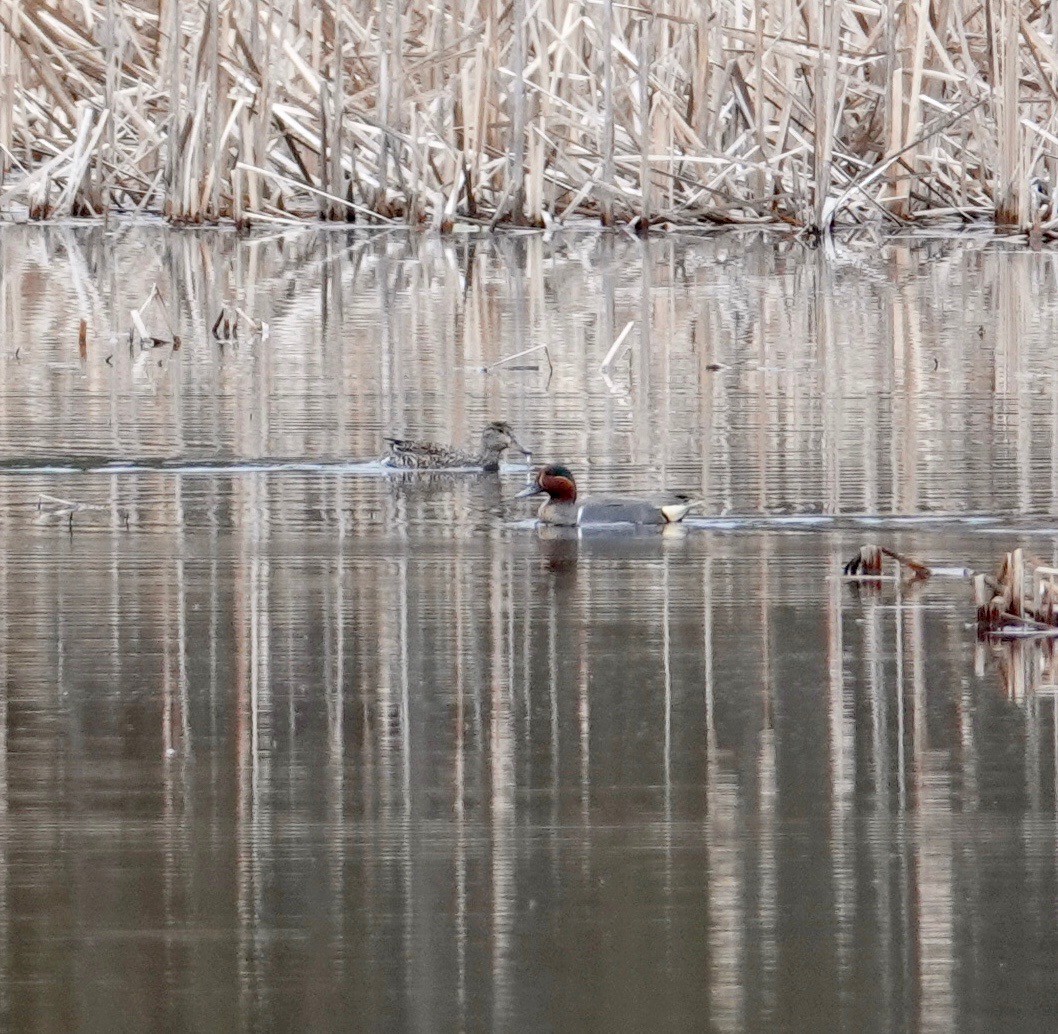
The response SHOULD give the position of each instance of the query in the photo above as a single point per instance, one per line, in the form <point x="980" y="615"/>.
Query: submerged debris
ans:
<point x="1020" y="600"/>
<point x="138" y="333"/>
<point x="230" y="319"/>
<point x="53" y="507"/>
<point x="868" y="563"/>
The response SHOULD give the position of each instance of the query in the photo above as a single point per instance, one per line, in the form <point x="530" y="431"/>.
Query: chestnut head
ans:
<point x="553" y="480"/>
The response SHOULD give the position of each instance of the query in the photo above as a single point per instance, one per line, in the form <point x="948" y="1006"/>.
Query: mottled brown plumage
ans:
<point x="496" y="438"/>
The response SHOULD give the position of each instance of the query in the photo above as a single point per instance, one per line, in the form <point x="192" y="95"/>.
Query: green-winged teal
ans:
<point x="496" y="439"/>
<point x="564" y="508"/>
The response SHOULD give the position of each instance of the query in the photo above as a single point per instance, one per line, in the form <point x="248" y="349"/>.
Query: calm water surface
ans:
<point x="288" y="743"/>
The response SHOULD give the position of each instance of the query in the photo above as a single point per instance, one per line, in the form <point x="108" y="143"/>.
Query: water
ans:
<point x="288" y="742"/>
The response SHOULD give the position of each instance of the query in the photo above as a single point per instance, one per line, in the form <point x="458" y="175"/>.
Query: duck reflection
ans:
<point x="560" y="548"/>
<point x="470" y="504"/>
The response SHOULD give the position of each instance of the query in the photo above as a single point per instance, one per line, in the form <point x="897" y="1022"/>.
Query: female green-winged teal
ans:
<point x="496" y="439"/>
<point x="564" y="508"/>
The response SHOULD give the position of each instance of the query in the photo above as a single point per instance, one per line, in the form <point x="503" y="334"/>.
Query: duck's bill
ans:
<point x="527" y="453"/>
<point x="529" y="490"/>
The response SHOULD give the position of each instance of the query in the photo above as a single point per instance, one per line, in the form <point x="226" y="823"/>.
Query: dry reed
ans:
<point x="804" y="112"/>
<point x="1021" y="599"/>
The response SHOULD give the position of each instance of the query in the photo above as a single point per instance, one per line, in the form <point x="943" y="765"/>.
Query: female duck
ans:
<point x="563" y="507"/>
<point x="496" y="439"/>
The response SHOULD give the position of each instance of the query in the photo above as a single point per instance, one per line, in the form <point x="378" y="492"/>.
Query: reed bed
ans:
<point x="810" y="113"/>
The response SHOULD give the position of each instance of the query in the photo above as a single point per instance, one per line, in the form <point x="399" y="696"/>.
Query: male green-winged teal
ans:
<point x="565" y="508"/>
<point x="496" y="439"/>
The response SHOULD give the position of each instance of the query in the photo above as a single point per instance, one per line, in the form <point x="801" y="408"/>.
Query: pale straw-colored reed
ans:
<point x="811" y="113"/>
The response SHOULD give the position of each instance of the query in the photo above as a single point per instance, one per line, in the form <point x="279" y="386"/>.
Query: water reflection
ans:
<point x="450" y="775"/>
<point x="888" y="376"/>
<point x="308" y="744"/>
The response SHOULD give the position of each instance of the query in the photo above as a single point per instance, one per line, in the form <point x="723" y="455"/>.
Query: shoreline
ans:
<point x="941" y="228"/>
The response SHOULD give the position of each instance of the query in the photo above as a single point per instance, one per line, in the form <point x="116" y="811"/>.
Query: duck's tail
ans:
<point x="676" y="511"/>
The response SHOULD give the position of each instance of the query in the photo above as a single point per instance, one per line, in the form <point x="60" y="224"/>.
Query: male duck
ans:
<point x="496" y="439"/>
<point x="563" y="507"/>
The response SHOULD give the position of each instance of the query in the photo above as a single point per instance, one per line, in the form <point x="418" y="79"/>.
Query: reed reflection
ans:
<point x="318" y="743"/>
<point x="768" y="376"/>
<point x="446" y="759"/>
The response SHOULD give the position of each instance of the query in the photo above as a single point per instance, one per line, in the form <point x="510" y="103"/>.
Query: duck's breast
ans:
<point x="560" y="514"/>
<point x="600" y="509"/>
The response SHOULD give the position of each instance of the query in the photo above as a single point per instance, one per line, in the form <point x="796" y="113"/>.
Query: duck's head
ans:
<point x="499" y="436"/>
<point x="553" y="480"/>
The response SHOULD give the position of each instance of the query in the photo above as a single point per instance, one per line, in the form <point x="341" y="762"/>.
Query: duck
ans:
<point x="496" y="438"/>
<point x="564" y="508"/>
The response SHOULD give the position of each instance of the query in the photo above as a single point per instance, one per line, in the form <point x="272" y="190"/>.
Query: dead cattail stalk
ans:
<point x="643" y="62"/>
<point x="82" y="339"/>
<point x="1006" y="607"/>
<point x="516" y="165"/>
<point x="868" y="561"/>
<point x="1010" y="189"/>
<point x="606" y="202"/>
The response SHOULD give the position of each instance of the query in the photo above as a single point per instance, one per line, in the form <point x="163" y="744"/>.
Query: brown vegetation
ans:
<point x="1020" y="599"/>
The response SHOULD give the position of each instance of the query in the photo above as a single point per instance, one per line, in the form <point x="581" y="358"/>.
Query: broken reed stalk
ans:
<point x="867" y="563"/>
<point x="1006" y="45"/>
<point x="644" y="125"/>
<point x="1005" y="607"/>
<point x="517" y="355"/>
<point x="615" y="348"/>
<point x="606" y="200"/>
<point x="445" y="110"/>
<point x="516" y="168"/>
<point x="49" y="506"/>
